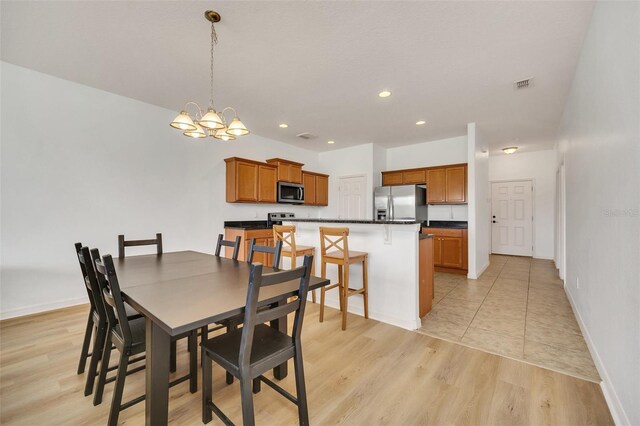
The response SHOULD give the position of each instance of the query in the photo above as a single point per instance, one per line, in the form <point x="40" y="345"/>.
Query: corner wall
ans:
<point x="479" y="201"/>
<point x="599" y="144"/>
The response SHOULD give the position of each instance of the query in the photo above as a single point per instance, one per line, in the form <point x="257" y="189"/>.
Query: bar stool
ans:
<point x="287" y="234"/>
<point x="343" y="257"/>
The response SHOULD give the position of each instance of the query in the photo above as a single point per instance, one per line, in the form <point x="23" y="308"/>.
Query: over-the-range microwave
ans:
<point x="290" y="193"/>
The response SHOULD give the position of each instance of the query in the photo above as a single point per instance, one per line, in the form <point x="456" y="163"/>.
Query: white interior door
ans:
<point x="512" y="218"/>
<point x="353" y="197"/>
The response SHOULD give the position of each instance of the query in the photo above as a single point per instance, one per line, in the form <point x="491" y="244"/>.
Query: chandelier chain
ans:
<point x="214" y="41"/>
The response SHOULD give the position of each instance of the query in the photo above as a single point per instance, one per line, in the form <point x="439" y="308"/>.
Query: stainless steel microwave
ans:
<point x="291" y="193"/>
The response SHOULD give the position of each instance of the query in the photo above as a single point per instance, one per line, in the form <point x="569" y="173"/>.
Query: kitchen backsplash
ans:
<point x="448" y="212"/>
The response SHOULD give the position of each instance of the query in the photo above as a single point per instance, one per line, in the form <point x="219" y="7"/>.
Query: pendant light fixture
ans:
<point x="210" y="123"/>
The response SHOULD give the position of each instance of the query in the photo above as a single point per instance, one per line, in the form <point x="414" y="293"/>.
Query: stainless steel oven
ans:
<point x="291" y="193"/>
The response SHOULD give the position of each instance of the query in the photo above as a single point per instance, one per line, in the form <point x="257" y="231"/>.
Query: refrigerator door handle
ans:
<point x="390" y="209"/>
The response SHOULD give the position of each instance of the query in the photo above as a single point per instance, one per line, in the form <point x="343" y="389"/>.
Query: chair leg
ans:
<point x="193" y="361"/>
<point x="85" y="343"/>
<point x="365" y="282"/>
<point x="117" y="390"/>
<point x="104" y="366"/>
<point x="340" y="285"/>
<point x="246" y="385"/>
<point x="301" y="390"/>
<point x="172" y="356"/>
<point x="207" y="387"/>
<point x="98" y="344"/>
<point x="345" y="296"/>
<point x="229" y="376"/>
<point x="256" y="385"/>
<point x="313" y="273"/>
<point x="323" y="274"/>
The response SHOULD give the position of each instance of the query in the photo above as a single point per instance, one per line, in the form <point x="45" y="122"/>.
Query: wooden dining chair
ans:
<point x="338" y="239"/>
<point x="128" y="337"/>
<point x="287" y="234"/>
<point x="225" y="243"/>
<point x="250" y="352"/>
<point x="274" y="251"/>
<point x="122" y="243"/>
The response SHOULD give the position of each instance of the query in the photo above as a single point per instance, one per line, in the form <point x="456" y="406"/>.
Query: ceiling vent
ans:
<point x="523" y="84"/>
<point x="306" y="136"/>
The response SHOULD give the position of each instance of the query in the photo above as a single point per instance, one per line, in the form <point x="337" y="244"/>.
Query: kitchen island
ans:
<point x="393" y="266"/>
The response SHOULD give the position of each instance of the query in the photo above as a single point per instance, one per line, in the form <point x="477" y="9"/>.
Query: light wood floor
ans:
<point x="372" y="373"/>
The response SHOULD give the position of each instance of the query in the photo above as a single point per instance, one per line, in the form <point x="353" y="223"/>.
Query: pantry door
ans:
<point x="512" y="218"/>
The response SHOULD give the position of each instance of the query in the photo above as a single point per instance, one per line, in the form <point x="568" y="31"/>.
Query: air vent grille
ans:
<point x="306" y="136"/>
<point x="523" y="84"/>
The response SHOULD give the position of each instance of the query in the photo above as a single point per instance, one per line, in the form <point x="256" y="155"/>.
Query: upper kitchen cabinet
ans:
<point x="403" y="177"/>
<point x="250" y="181"/>
<point x="391" y="178"/>
<point x="316" y="189"/>
<point x="288" y="171"/>
<point x="447" y="184"/>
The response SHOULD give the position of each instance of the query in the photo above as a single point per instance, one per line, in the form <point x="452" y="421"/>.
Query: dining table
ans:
<point x="182" y="291"/>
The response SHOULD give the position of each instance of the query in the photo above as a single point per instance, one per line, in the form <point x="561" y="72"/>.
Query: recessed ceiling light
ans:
<point x="384" y="94"/>
<point x="420" y="123"/>
<point x="283" y="125"/>
<point x="331" y="142"/>
<point x="510" y="149"/>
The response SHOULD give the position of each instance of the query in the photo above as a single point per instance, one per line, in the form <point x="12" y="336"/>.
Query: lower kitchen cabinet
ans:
<point x="264" y="237"/>
<point x="449" y="249"/>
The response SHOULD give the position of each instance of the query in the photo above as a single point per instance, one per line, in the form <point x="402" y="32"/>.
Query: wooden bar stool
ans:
<point x="287" y="234"/>
<point x="338" y="238"/>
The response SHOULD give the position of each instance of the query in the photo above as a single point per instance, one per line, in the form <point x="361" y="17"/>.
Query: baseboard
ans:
<point x="358" y="310"/>
<point x="35" y="309"/>
<point x="610" y="395"/>
<point x="544" y="258"/>
<point x="478" y="273"/>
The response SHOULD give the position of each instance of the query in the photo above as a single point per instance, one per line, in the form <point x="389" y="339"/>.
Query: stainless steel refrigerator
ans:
<point x="405" y="202"/>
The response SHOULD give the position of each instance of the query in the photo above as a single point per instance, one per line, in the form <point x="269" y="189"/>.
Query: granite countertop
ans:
<point x="424" y="236"/>
<point x="363" y="221"/>
<point x="247" y="224"/>
<point x="454" y="224"/>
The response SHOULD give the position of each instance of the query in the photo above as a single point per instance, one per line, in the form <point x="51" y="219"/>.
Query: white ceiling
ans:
<point x="318" y="66"/>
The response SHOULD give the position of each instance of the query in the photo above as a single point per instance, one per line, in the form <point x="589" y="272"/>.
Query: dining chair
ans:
<point x="274" y="251"/>
<point x="250" y="352"/>
<point x="287" y="234"/>
<point x="122" y="243"/>
<point x="225" y="243"/>
<point x="128" y="337"/>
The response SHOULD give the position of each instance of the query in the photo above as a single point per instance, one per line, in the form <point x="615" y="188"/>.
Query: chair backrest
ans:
<point x="286" y="234"/>
<point x="112" y="296"/>
<point x="276" y="251"/>
<point x="334" y="238"/>
<point x="122" y="243"/>
<point x="226" y="243"/>
<point x="253" y="316"/>
<point x="90" y="281"/>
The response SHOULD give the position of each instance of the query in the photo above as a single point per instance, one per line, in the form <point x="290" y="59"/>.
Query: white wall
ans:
<point x="80" y="164"/>
<point x="599" y="143"/>
<point x="540" y="167"/>
<point x="479" y="201"/>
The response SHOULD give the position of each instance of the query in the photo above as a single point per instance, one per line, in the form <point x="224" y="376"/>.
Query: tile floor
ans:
<point x="518" y="308"/>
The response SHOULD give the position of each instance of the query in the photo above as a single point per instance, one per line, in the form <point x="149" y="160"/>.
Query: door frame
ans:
<point x="533" y="209"/>
<point x="366" y="195"/>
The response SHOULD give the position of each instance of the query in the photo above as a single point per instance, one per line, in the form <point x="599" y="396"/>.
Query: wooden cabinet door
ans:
<point x="295" y="173"/>
<point x="266" y="184"/>
<point x="309" y="182"/>
<point x="413" y="177"/>
<point x="426" y="273"/>
<point x="391" y="178"/>
<point x="436" y="185"/>
<point x="451" y="252"/>
<point x="322" y="190"/>
<point x="456" y="187"/>
<point x="246" y="181"/>
<point x="437" y="251"/>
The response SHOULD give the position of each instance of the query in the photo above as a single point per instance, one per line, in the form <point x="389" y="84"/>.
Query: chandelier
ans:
<point x="210" y="123"/>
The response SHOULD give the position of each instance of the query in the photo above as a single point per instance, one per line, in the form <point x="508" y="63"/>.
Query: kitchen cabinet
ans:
<point x="316" y="188"/>
<point x="416" y="177"/>
<point x="264" y="237"/>
<point x="447" y="184"/>
<point x="288" y="171"/>
<point x="392" y="178"/>
<point x="250" y="181"/>
<point x="449" y="249"/>
<point x="425" y="276"/>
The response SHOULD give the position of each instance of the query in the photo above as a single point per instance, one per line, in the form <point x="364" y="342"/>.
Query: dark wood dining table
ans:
<point x="182" y="291"/>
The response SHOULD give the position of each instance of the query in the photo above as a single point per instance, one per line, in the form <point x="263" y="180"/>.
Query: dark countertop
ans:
<point x="247" y="224"/>
<point x="363" y="221"/>
<point x="424" y="236"/>
<point x="454" y="224"/>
